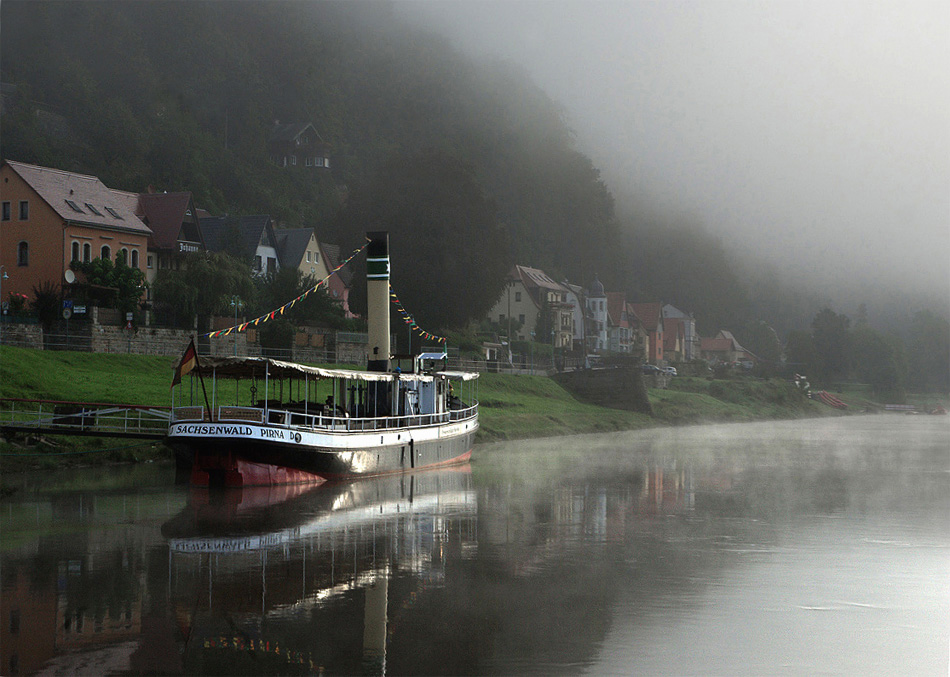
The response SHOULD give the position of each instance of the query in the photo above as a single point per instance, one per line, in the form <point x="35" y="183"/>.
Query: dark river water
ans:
<point x="806" y="547"/>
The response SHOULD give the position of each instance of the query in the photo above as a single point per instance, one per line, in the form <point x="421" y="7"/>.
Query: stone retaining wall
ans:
<point x="617" y="388"/>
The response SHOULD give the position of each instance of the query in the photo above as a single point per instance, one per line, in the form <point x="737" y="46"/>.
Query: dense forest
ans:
<point x="470" y="165"/>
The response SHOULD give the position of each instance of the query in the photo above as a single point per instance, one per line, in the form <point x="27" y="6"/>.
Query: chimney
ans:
<point x="377" y="300"/>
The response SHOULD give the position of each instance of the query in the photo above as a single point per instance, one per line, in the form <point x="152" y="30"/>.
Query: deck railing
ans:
<point x="292" y="418"/>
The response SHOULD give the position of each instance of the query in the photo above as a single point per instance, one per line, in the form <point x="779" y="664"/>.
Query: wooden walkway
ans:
<point x="51" y="417"/>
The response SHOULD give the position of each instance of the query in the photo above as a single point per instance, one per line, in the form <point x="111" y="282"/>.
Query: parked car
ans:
<point x="649" y="369"/>
<point x="669" y="370"/>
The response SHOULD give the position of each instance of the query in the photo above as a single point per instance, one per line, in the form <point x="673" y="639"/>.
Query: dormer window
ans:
<point x="114" y="213"/>
<point x="74" y="207"/>
<point x="93" y="209"/>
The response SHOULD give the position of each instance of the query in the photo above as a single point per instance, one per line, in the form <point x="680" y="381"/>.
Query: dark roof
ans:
<point x="165" y="213"/>
<point x="291" y="244"/>
<point x="251" y="228"/>
<point x="596" y="288"/>
<point x="289" y="132"/>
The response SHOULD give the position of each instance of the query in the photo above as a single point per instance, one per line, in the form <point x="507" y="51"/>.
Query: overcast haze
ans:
<point x="809" y="132"/>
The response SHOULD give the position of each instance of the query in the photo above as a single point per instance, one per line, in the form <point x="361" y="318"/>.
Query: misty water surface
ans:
<point x="806" y="547"/>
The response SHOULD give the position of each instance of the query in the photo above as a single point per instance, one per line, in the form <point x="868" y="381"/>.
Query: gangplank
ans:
<point x="53" y="417"/>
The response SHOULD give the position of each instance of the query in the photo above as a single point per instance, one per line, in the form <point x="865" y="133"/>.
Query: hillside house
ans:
<point x="725" y="349"/>
<point x="690" y="336"/>
<point x="619" y="329"/>
<point x="298" y="248"/>
<point x="597" y="339"/>
<point x="340" y="282"/>
<point x="173" y="220"/>
<point x="298" y="145"/>
<point x="246" y="237"/>
<point x="674" y="339"/>
<point x="531" y="295"/>
<point x="651" y="317"/>
<point x="51" y="217"/>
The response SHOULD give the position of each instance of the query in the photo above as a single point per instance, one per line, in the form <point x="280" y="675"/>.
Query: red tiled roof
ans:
<point x="716" y="345"/>
<point x="164" y="213"/>
<point x="649" y="314"/>
<point x="616" y="304"/>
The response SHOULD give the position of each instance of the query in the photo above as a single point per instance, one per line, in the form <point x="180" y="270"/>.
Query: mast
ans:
<point x="377" y="300"/>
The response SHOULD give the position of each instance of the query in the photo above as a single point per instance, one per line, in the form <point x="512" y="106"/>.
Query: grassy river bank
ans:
<point x="512" y="407"/>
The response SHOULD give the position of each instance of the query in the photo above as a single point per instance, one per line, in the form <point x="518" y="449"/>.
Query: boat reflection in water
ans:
<point x="266" y="579"/>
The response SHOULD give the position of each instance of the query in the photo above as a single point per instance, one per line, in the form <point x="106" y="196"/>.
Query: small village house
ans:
<point x="651" y="317"/>
<point x="247" y="237"/>
<point x="298" y="145"/>
<point x="529" y="293"/>
<point x="173" y="220"/>
<point x="298" y="248"/>
<point x="51" y="217"/>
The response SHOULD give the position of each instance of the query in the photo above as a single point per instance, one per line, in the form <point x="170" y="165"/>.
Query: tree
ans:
<point x="448" y="251"/>
<point x="203" y="285"/>
<point x="879" y="362"/>
<point x="762" y="340"/>
<point x="800" y="352"/>
<point x="116" y="284"/>
<point x="928" y="352"/>
<point x="832" y="345"/>
<point x="277" y="289"/>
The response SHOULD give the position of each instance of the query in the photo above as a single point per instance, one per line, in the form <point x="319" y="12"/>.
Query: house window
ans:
<point x="293" y="160"/>
<point x="23" y="254"/>
<point x="86" y="253"/>
<point x="6" y="210"/>
<point x="93" y="209"/>
<point x="257" y="263"/>
<point x="308" y="257"/>
<point x="271" y="264"/>
<point x="135" y="258"/>
<point x="76" y="249"/>
<point x="521" y="319"/>
<point x="309" y="161"/>
<point x="24" y="210"/>
<point x="517" y="296"/>
<point x="149" y="261"/>
<point x="105" y="252"/>
<point x="123" y="256"/>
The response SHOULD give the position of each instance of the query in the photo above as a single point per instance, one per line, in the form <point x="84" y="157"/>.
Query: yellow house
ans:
<point x="298" y="248"/>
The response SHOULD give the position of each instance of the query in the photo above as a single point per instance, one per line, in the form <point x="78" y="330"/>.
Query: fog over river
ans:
<point x="806" y="547"/>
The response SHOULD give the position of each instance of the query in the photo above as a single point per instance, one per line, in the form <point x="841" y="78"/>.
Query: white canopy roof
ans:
<point x="256" y="367"/>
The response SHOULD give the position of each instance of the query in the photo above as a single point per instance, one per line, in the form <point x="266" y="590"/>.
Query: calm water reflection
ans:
<point x="820" y="546"/>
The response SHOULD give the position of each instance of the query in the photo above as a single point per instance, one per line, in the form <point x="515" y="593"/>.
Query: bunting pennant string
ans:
<point x="410" y="320"/>
<point x="266" y="317"/>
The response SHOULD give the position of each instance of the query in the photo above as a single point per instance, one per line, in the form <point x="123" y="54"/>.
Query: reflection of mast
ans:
<point x="374" y="624"/>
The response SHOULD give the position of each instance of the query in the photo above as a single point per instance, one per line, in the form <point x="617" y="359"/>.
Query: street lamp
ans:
<point x="3" y="276"/>
<point x="236" y="303"/>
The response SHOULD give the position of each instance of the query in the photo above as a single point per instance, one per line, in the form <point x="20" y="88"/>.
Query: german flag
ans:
<point x="188" y="362"/>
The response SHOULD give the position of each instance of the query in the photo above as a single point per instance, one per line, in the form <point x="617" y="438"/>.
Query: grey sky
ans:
<point x="814" y="133"/>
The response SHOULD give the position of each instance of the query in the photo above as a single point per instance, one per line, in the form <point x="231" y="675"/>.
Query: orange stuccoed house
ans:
<point x="51" y="217"/>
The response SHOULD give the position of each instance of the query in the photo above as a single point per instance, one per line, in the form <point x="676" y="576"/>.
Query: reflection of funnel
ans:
<point x="374" y="625"/>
